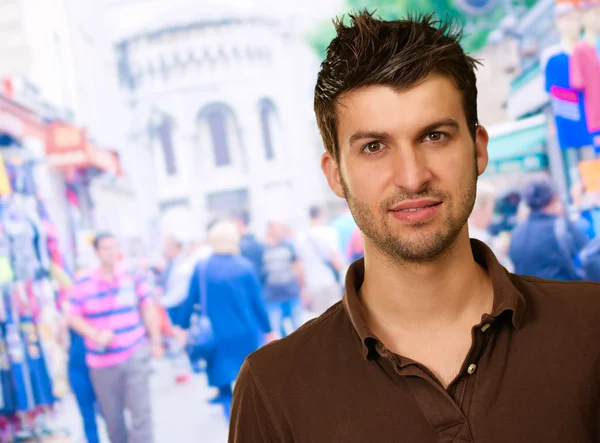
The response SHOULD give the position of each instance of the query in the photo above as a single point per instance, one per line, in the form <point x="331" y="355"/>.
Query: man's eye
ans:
<point x="435" y="137"/>
<point x="372" y="148"/>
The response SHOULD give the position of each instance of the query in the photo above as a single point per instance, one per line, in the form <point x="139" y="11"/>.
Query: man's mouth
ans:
<point x="415" y="206"/>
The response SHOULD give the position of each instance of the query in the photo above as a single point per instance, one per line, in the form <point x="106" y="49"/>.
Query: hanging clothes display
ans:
<point x="5" y="188"/>
<point x="584" y="76"/>
<point x="567" y="104"/>
<point x="29" y="314"/>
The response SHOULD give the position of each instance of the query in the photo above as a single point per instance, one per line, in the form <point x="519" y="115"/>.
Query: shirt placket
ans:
<point x="443" y="408"/>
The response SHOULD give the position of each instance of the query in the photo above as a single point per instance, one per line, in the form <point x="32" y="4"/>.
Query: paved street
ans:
<point x="181" y="412"/>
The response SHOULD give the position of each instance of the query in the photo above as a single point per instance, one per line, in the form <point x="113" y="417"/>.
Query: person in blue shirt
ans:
<point x="234" y="305"/>
<point x="539" y="247"/>
<point x="284" y="279"/>
<point x="250" y="248"/>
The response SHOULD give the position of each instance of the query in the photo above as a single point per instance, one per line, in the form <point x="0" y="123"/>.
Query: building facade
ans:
<point x="222" y="120"/>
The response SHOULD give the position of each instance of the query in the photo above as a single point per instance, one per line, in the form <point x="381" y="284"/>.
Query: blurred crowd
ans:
<point x="218" y="300"/>
<point x="534" y="232"/>
<point x="206" y="306"/>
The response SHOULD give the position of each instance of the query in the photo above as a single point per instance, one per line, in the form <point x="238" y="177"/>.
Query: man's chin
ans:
<point x="422" y="248"/>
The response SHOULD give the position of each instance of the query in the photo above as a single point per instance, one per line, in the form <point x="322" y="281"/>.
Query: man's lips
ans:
<point x="415" y="205"/>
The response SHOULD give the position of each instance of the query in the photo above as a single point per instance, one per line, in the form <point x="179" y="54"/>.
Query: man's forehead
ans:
<point x="382" y="108"/>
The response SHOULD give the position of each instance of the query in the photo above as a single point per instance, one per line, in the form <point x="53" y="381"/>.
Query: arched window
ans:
<point x="267" y="122"/>
<point x="161" y="129"/>
<point x="221" y="125"/>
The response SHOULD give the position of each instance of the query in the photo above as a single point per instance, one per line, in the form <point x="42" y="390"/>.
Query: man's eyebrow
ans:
<point x="375" y="135"/>
<point x="449" y="122"/>
<point x="363" y="135"/>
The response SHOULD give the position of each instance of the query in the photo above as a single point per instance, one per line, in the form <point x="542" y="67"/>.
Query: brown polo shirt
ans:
<point x="532" y="375"/>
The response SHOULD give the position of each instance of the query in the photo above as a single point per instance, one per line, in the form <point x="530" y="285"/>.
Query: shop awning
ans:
<point x="518" y="146"/>
<point x="68" y="147"/>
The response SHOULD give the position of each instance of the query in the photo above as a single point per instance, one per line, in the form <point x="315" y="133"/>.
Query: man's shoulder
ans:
<point x="574" y="302"/>
<point x="557" y="287"/>
<point x="85" y="281"/>
<point x="305" y="350"/>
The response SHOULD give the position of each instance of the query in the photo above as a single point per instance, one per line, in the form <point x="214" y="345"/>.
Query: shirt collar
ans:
<point x="506" y="296"/>
<point x="118" y="275"/>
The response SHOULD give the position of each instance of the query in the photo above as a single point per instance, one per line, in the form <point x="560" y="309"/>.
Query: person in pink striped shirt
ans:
<point x="116" y="315"/>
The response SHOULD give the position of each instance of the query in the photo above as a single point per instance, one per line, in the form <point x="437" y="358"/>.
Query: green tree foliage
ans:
<point x="473" y="41"/>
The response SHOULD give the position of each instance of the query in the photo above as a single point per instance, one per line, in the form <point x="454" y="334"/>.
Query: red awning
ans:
<point x="67" y="147"/>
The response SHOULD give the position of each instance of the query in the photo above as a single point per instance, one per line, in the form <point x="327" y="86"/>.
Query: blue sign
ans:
<point x="476" y="7"/>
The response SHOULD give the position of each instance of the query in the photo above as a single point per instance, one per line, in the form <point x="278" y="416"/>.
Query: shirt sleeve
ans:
<point x="251" y="417"/>
<point x="75" y="297"/>
<point x="185" y="310"/>
<point x="142" y="289"/>
<point x="258" y="305"/>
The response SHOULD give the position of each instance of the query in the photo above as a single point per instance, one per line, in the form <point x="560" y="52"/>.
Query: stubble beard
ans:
<point x="417" y="247"/>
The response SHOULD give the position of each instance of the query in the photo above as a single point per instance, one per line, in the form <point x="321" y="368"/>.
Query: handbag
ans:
<point x="336" y="274"/>
<point x="201" y="338"/>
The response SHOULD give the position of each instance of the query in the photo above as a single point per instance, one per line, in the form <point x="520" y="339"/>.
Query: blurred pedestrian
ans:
<point x="284" y="280"/>
<point x="176" y="282"/>
<point x="356" y="247"/>
<point x="322" y="261"/>
<point x="481" y="219"/>
<point x="345" y="226"/>
<point x="250" y="247"/>
<point x="107" y="309"/>
<point x="547" y="243"/>
<point x="77" y="369"/>
<point x="234" y="305"/>
<point x="586" y="210"/>
<point x="176" y="277"/>
<point x="83" y="390"/>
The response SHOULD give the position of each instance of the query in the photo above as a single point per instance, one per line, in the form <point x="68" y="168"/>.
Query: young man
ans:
<point x="434" y="341"/>
<point x="105" y="309"/>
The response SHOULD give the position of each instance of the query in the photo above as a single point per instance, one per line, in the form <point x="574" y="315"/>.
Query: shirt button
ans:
<point x="485" y="327"/>
<point x="471" y="369"/>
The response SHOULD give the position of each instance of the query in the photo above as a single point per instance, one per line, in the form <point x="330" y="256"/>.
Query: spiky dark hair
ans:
<point x="400" y="54"/>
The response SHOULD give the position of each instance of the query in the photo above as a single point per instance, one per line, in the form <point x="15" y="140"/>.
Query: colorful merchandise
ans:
<point x="585" y="76"/>
<point x="567" y="104"/>
<point x="30" y="355"/>
<point x="5" y="187"/>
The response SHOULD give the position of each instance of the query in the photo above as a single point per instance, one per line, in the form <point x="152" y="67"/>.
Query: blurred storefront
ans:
<point x="517" y="150"/>
<point x="82" y="166"/>
<point x="558" y="81"/>
<point x="63" y="169"/>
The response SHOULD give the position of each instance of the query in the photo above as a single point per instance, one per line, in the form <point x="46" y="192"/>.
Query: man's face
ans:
<point x="171" y="248"/>
<point x="408" y="166"/>
<point x="276" y="231"/>
<point x="108" y="252"/>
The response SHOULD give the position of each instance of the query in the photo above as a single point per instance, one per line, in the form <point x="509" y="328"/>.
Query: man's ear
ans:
<point x="331" y="169"/>
<point x="481" y="149"/>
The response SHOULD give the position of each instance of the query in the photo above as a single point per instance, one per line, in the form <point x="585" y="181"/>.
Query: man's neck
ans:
<point x="411" y="298"/>
<point x="108" y="272"/>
